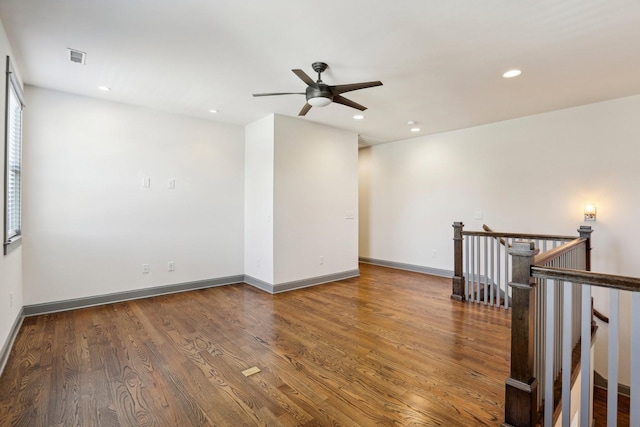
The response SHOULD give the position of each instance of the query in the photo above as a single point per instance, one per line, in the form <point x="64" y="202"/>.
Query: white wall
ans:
<point x="89" y="224"/>
<point x="532" y="174"/>
<point x="11" y="264"/>
<point x="315" y="185"/>
<point x="300" y="181"/>
<point x="258" y="196"/>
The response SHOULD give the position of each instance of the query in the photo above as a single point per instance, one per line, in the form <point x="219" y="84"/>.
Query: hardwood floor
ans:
<point x="600" y="408"/>
<point x="388" y="348"/>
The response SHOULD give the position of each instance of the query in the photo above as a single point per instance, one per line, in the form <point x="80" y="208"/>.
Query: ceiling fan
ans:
<point x="320" y="94"/>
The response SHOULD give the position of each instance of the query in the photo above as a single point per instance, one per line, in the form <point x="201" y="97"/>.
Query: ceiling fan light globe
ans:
<point x="319" y="101"/>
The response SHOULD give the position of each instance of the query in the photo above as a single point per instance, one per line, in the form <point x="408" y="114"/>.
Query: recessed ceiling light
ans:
<point x="104" y="88"/>
<point x="213" y="111"/>
<point x="411" y="122"/>
<point x="511" y="74"/>
<point x="415" y="129"/>
<point x="358" y="117"/>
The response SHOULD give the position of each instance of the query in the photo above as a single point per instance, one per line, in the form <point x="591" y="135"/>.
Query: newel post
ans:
<point x="585" y="233"/>
<point x="520" y="406"/>
<point x="458" y="276"/>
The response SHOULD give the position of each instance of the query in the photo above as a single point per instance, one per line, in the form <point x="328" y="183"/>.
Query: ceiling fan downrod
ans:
<point x="319" y="67"/>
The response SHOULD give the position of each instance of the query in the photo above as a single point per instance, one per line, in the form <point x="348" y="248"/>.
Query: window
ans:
<point x="13" y="162"/>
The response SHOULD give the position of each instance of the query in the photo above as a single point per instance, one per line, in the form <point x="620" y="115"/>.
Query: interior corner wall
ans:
<point x="315" y="200"/>
<point x="11" y="295"/>
<point x="258" y="199"/>
<point x="364" y="200"/>
<point x="90" y="224"/>
<point x="532" y="174"/>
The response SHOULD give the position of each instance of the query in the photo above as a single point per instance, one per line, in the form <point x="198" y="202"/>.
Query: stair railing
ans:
<point x="482" y="265"/>
<point x="545" y="329"/>
<point x="552" y="335"/>
<point x="564" y="279"/>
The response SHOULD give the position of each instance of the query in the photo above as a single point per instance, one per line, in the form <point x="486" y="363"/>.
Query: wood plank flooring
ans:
<point x="600" y="408"/>
<point x="389" y="348"/>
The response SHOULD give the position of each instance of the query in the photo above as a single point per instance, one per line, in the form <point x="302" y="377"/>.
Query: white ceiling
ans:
<point x="440" y="61"/>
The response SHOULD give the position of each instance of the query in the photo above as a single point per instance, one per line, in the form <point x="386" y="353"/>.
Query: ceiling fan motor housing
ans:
<point x="322" y="91"/>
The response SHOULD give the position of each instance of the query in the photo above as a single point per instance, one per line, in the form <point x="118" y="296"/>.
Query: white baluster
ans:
<point x="566" y="351"/>
<point x="635" y="360"/>
<point x="585" y="358"/>
<point x="612" y="383"/>
<point x="548" y="359"/>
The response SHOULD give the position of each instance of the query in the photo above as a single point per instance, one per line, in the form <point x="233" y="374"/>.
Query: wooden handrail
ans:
<point x="485" y="227"/>
<point x="547" y="256"/>
<point x="504" y="242"/>
<point x="518" y="235"/>
<point x="600" y="316"/>
<point x="609" y="281"/>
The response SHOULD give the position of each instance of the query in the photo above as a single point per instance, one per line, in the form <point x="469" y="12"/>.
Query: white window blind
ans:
<point x="13" y="158"/>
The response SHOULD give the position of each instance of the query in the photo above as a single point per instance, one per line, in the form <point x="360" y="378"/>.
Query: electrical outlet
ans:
<point x="171" y="266"/>
<point x="145" y="268"/>
<point x="477" y="215"/>
<point x="10" y="299"/>
<point x="171" y="184"/>
<point x="321" y="260"/>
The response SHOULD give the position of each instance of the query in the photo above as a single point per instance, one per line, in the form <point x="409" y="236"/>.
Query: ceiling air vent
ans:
<point x="77" y="56"/>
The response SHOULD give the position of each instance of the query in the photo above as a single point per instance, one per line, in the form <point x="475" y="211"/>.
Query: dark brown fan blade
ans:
<point x="305" y="109"/>
<point x="337" y="90"/>
<point x="349" y="103"/>
<point x="278" y="93"/>
<point x="305" y="78"/>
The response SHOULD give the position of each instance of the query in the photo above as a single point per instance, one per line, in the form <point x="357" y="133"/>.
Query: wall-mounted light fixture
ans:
<point x="589" y="212"/>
